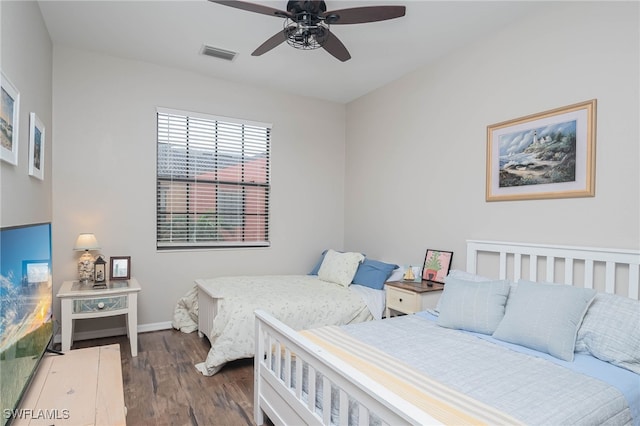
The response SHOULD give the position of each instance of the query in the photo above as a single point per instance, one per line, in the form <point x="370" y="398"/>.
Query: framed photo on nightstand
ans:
<point x="436" y="265"/>
<point x="120" y="267"/>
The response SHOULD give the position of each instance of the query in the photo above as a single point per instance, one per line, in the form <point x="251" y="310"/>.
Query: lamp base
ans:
<point x="85" y="267"/>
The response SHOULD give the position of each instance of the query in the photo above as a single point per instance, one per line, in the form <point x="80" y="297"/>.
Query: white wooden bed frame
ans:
<point x="207" y="310"/>
<point x="282" y="400"/>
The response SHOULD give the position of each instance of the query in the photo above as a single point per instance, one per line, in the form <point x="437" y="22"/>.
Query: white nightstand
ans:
<point x="409" y="297"/>
<point x="81" y="301"/>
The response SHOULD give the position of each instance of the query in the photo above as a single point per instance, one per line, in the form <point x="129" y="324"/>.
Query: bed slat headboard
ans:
<point x="616" y="263"/>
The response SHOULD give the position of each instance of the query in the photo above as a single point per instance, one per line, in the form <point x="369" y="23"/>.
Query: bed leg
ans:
<point x="259" y="416"/>
<point x="200" y="334"/>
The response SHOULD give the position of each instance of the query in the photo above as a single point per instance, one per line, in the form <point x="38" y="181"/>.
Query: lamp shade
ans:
<point x="86" y="242"/>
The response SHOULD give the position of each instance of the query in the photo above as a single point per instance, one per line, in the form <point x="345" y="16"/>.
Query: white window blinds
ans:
<point x="213" y="181"/>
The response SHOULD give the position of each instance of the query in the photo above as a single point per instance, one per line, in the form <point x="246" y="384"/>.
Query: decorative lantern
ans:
<point x="100" y="270"/>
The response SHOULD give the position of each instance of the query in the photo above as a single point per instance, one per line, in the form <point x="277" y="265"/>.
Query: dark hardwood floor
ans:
<point x="162" y="386"/>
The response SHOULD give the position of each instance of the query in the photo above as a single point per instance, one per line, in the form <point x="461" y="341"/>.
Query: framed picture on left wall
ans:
<point x="36" y="147"/>
<point x="9" y="114"/>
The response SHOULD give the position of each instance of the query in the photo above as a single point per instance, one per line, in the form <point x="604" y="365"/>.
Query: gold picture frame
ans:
<point x="546" y="155"/>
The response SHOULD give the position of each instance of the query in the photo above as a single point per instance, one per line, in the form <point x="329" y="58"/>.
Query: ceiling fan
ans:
<point x="307" y="23"/>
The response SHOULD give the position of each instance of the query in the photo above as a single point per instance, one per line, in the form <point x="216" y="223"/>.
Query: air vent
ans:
<point x="215" y="52"/>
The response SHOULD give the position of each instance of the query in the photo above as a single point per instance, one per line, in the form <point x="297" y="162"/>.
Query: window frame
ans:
<point x="245" y="149"/>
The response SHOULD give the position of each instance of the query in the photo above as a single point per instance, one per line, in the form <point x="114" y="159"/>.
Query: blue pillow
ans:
<point x="373" y="273"/>
<point x="316" y="268"/>
<point x="472" y="306"/>
<point x="545" y="317"/>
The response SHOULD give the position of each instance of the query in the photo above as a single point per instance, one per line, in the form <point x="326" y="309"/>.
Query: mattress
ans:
<point x="300" y="301"/>
<point x="530" y="388"/>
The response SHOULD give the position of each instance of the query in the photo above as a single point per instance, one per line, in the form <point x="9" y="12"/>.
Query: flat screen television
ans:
<point x="26" y="320"/>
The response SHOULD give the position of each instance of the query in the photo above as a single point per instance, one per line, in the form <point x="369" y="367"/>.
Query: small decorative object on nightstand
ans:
<point x="100" y="272"/>
<point x="409" y="297"/>
<point x="86" y="243"/>
<point x="408" y="274"/>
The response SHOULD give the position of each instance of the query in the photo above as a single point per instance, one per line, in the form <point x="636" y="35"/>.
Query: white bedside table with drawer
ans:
<point x="80" y="301"/>
<point x="409" y="297"/>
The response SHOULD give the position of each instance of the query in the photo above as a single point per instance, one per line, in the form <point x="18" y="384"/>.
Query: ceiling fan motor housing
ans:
<point x="308" y="6"/>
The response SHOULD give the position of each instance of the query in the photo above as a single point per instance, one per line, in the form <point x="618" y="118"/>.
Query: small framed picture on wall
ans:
<point x="9" y="113"/>
<point x="36" y="147"/>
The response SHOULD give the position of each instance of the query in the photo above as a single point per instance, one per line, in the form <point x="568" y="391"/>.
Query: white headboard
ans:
<point x="610" y="270"/>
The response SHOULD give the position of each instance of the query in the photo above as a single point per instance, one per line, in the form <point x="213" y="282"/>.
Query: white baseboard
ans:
<point x="119" y="331"/>
<point x="156" y="326"/>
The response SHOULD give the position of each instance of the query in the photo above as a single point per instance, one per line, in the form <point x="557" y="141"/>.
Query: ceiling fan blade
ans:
<point x="253" y="7"/>
<point x="334" y="46"/>
<point x="272" y="42"/>
<point x="361" y="15"/>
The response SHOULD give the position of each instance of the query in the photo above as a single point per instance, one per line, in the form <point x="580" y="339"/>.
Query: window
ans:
<point x="213" y="181"/>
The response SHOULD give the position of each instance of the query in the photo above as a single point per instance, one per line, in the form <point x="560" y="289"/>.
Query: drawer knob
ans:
<point x="101" y="305"/>
<point x="400" y="299"/>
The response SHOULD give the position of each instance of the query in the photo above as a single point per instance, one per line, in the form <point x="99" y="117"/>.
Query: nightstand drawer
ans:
<point x="410" y="297"/>
<point x="100" y="304"/>
<point x="403" y="301"/>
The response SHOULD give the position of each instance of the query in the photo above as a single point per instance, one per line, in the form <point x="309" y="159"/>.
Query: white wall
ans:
<point x="25" y="199"/>
<point x="105" y="165"/>
<point x="415" y="150"/>
<point x="415" y="171"/>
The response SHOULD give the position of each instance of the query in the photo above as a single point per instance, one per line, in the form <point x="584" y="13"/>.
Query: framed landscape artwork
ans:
<point x="546" y="155"/>
<point x="9" y="114"/>
<point x="436" y="265"/>
<point x="36" y="147"/>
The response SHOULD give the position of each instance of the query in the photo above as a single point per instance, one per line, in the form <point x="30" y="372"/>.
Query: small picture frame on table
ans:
<point x="436" y="266"/>
<point x="120" y="268"/>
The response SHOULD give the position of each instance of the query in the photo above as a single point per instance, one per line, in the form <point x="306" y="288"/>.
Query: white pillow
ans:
<point x="396" y="275"/>
<point x="339" y="268"/>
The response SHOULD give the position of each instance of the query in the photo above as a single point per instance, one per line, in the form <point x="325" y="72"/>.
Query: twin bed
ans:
<point x="557" y="354"/>
<point x="227" y="304"/>
<point x="223" y="308"/>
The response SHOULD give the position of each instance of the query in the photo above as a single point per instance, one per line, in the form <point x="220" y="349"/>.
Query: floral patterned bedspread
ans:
<point x="300" y="301"/>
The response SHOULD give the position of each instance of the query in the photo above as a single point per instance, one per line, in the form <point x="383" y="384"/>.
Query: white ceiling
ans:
<point x="171" y="33"/>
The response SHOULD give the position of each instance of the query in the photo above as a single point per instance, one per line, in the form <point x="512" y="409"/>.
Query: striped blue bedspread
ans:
<point x="532" y="389"/>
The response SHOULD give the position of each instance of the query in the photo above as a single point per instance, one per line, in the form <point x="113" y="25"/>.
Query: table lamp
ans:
<point x="86" y="243"/>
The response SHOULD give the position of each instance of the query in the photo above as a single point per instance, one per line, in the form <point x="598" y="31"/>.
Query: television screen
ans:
<point x="26" y="296"/>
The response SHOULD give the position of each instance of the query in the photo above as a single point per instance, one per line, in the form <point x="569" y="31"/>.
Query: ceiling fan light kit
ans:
<point x="306" y="36"/>
<point x="307" y="23"/>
